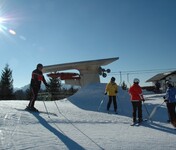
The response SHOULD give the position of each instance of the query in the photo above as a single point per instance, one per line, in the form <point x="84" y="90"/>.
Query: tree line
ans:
<point x="7" y="90"/>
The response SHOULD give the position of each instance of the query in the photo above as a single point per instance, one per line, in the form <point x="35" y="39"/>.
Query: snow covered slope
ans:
<point x="78" y="125"/>
<point x="90" y="96"/>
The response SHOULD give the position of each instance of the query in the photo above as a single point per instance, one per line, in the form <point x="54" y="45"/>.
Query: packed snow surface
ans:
<point x="79" y="125"/>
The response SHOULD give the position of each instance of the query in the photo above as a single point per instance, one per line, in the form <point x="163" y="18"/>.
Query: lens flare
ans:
<point x="6" y="21"/>
<point x="2" y="19"/>
<point x="12" y="32"/>
<point x="1" y="23"/>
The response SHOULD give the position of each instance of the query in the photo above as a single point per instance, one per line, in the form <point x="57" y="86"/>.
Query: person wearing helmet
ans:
<point x="111" y="90"/>
<point x="170" y="99"/>
<point x="37" y="78"/>
<point x="135" y="92"/>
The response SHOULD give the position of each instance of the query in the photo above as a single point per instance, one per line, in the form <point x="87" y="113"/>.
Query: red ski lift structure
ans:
<point x="65" y="75"/>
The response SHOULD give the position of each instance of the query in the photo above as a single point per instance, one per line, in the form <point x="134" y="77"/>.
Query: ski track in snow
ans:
<point x="78" y="129"/>
<point x="82" y="134"/>
<point x="7" y="135"/>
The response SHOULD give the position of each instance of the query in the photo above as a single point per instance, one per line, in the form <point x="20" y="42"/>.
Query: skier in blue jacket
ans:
<point x="170" y="99"/>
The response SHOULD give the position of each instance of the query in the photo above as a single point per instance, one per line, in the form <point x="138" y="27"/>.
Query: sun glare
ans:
<point x="5" y="21"/>
<point x="2" y="20"/>
<point x="3" y="28"/>
<point x="12" y="32"/>
<point x="1" y="23"/>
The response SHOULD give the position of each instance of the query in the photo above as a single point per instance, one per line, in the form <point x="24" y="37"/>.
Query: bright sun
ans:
<point x="3" y="28"/>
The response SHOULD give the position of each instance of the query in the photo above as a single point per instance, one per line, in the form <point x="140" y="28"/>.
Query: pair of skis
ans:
<point x="38" y="112"/>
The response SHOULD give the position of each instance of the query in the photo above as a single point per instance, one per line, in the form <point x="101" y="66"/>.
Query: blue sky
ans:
<point x="142" y="33"/>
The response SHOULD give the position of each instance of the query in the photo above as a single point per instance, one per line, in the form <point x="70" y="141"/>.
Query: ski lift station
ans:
<point x="89" y="71"/>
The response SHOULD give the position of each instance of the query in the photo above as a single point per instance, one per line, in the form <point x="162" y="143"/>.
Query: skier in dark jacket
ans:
<point x="170" y="99"/>
<point x="37" y="78"/>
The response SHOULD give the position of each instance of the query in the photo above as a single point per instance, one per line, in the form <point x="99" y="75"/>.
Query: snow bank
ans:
<point x="90" y="97"/>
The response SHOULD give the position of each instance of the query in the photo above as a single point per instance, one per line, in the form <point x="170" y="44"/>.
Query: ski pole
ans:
<point x="101" y="102"/>
<point x="154" y="110"/>
<point x="57" y="107"/>
<point x="146" y="109"/>
<point x="45" y="106"/>
<point x="46" y="109"/>
<point x="117" y="100"/>
<point x="168" y="114"/>
<point x="50" y="96"/>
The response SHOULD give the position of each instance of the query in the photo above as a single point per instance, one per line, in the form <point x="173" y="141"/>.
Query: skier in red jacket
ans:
<point x="136" y="99"/>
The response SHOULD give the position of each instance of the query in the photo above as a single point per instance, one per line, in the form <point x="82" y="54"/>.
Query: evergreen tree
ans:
<point x="54" y="87"/>
<point x="20" y="95"/>
<point x="28" y="94"/>
<point x="6" y="84"/>
<point x="72" y="90"/>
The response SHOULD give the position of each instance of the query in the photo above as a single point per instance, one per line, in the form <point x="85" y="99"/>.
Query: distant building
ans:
<point x="159" y="80"/>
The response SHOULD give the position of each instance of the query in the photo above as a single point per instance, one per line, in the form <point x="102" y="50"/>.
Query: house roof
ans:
<point x="161" y="76"/>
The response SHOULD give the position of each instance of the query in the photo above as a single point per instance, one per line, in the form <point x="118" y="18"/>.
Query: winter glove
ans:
<point x="47" y="85"/>
<point x="116" y="92"/>
<point x="105" y="93"/>
<point x="143" y="100"/>
<point x="164" y="97"/>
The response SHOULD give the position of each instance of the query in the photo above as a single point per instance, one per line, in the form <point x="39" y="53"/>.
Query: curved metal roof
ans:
<point x="78" y="65"/>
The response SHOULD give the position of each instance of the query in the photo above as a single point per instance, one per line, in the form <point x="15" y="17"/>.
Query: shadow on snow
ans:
<point x="66" y="140"/>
